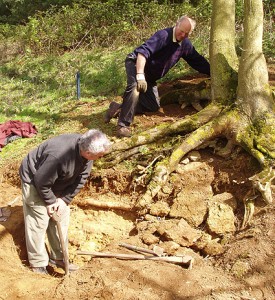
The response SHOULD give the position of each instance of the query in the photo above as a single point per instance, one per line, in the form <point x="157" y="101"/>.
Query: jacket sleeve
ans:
<point x="71" y="191"/>
<point x="197" y="62"/>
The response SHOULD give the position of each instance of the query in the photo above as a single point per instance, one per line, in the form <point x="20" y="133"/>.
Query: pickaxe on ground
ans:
<point x="182" y="260"/>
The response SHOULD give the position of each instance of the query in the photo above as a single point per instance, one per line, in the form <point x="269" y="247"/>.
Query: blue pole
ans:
<point x="78" y="85"/>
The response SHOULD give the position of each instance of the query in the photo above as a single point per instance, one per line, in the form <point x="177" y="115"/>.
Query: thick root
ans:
<point x="161" y="131"/>
<point x="165" y="168"/>
<point x="262" y="182"/>
<point x="248" y="211"/>
<point x="159" y="179"/>
<point x="104" y="204"/>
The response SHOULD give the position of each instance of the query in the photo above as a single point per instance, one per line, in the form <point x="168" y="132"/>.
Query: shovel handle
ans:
<point x="63" y="247"/>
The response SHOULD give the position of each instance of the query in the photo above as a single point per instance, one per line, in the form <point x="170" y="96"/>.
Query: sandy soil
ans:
<point x="245" y="270"/>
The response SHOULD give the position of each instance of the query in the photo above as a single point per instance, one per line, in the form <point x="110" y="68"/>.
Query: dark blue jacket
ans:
<point x="162" y="54"/>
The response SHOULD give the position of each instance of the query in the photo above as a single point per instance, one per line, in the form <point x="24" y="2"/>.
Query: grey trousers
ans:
<point x="135" y="102"/>
<point x="38" y="224"/>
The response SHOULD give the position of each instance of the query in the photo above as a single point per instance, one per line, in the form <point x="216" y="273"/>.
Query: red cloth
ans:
<point x="23" y="129"/>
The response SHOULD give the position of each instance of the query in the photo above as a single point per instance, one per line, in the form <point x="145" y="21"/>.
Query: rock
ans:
<point x="151" y="218"/>
<point x="204" y="239"/>
<point x="170" y="247"/>
<point x="178" y="231"/>
<point x="167" y="189"/>
<point x="194" y="155"/>
<point x="191" y="202"/>
<point x="195" y="172"/>
<point x="160" y="209"/>
<point x="226" y="198"/>
<point x="149" y="238"/>
<point x="240" y="268"/>
<point x="150" y="225"/>
<point x="185" y="161"/>
<point x="182" y="251"/>
<point x="213" y="248"/>
<point x="221" y="219"/>
<point x="146" y="230"/>
<point x="191" y="205"/>
<point x="190" y="167"/>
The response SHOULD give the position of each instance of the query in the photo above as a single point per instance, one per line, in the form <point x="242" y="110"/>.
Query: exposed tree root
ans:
<point x="262" y="182"/>
<point x="105" y="204"/>
<point x="228" y="124"/>
<point x="248" y="208"/>
<point x="181" y="126"/>
<point x="208" y="131"/>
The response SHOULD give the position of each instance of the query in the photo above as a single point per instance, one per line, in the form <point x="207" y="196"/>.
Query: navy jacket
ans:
<point x="162" y="54"/>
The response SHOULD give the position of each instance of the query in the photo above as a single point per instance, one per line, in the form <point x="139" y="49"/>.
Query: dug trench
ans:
<point x="203" y="222"/>
<point x="198" y="214"/>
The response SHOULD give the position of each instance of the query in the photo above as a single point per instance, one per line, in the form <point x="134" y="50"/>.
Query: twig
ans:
<point x="14" y="200"/>
<point x="151" y="163"/>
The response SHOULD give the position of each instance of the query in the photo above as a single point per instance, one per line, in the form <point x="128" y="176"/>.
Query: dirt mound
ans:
<point x="244" y="270"/>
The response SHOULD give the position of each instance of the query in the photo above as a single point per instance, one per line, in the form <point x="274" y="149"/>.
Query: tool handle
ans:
<point x="136" y="248"/>
<point x="63" y="247"/>
<point x="111" y="255"/>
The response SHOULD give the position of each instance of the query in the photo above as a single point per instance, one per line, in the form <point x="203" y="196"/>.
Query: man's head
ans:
<point x="93" y="144"/>
<point x="184" y="27"/>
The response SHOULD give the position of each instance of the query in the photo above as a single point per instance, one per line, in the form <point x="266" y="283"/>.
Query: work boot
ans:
<point x="112" y="112"/>
<point x="40" y="270"/>
<point x="123" y="131"/>
<point x="61" y="264"/>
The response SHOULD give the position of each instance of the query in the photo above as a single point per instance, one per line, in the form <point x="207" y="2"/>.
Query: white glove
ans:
<point x="141" y="83"/>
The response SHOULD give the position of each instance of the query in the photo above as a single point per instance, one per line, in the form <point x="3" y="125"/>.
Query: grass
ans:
<point x="42" y="90"/>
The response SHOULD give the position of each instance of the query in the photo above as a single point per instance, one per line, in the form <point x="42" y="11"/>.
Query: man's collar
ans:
<point x="174" y="36"/>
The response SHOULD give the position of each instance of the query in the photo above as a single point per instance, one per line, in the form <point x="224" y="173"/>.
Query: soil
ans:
<point x="244" y="269"/>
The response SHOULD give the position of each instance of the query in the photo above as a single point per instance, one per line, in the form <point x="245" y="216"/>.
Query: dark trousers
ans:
<point x="135" y="102"/>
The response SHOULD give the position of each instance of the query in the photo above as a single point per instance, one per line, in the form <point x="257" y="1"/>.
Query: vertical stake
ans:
<point x="78" y="85"/>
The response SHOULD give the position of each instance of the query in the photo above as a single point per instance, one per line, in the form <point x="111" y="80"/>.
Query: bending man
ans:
<point x="51" y="176"/>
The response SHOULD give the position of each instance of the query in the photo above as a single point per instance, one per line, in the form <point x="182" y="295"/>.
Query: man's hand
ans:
<point x="141" y="83"/>
<point x="62" y="207"/>
<point x="59" y="206"/>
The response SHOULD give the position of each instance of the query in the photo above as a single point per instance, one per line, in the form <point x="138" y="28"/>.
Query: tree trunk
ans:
<point x="254" y="100"/>
<point x="223" y="57"/>
<point x="254" y="93"/>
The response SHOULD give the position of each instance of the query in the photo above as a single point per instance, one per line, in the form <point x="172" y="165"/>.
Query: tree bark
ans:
<point x="223" y="57"/>
<point x="254" y="94"/>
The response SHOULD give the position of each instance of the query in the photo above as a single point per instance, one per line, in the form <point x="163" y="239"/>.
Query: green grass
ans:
<point x="42" y="90"/>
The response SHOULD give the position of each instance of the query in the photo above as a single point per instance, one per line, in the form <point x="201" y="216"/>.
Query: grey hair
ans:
<point x="191" y="21"/>
<point x="94" y="141"/>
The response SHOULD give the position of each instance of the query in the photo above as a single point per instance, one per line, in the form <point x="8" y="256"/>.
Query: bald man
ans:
<point x="150" y="62"/>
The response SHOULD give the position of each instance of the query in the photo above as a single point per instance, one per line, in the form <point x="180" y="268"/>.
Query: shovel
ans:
<point x="57" y="219"/>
